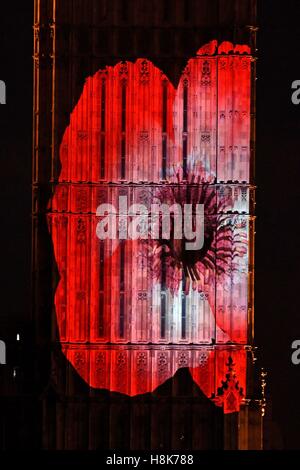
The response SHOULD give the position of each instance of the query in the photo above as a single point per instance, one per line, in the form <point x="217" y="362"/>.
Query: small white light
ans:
<point x="18" y="337"/>
<point x="15" y="373"/>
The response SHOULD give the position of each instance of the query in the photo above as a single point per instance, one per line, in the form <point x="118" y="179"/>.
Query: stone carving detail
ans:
<point x="162" y="362"/>
<point x="144" y="136"/>
<point x="144" y="71"/>
<point x="245" y="64"/>
<point x="205" y="138"/>
<point x="81" y="200"/>
<point x="142" y="295"/>
<point x="100" y="368"/>
<point x="185" y="82"/>
<point x="244" y="194"/>
<point x="121" y="364"/>
<point x="183" y="360"/>
<point x="206" y="74"/>
<point x="203" y="359"/>
<point x="121" y="359"/>
<point x="100" y="361"/>
<point x="203" y="296"/>
<point x="79" y="361"/>
<point x="123" y="71"/>
<point x="229" y="394"/>
<point x="141" y="362"/>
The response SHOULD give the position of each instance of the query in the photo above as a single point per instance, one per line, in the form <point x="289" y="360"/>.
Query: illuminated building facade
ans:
<point x="151" y="343"/>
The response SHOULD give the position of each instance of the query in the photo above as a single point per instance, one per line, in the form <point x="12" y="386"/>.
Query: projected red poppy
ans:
<point x="131" y="312"/>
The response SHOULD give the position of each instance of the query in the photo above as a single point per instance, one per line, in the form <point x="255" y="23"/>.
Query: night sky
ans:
<point x="278" y="195"/>
<point x="278" y="190"/>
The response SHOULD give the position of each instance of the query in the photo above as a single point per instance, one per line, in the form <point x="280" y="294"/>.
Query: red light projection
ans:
<point x="131" y="312"/>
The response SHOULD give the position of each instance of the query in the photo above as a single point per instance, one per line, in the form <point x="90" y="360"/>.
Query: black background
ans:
<point x="277" y="177"/>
